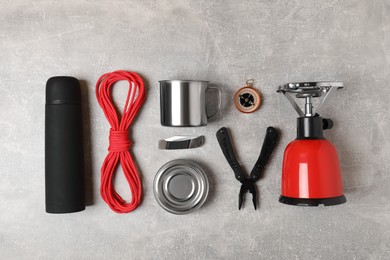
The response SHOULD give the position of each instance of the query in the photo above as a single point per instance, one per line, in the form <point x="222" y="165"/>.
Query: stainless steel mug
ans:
<point x="183" y="102"/>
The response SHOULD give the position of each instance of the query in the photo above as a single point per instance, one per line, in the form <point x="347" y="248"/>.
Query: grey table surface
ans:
<point x="226" y="43"/>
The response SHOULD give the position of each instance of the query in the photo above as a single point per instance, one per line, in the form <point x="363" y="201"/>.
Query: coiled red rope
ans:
<point x="118" y="150"/>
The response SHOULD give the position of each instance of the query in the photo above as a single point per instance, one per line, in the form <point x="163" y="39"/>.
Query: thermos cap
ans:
<point x="63" y="90"/>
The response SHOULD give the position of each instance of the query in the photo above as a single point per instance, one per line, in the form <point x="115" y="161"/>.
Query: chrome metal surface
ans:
<point x="183" y="102"/>
<point x="181" y="142"/>
<point x="309" y="90"/>
<point x="181" y="186"/>
<point x="309" y="106"/>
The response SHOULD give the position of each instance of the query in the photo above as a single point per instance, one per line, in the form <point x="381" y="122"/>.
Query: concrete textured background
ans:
<point x="225" y="42"/>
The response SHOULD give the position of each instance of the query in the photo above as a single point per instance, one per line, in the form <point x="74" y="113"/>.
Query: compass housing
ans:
<point x="247" y="99"/>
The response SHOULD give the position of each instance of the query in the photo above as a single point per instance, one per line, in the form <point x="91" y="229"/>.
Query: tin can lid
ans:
<point x="181" y="186"/>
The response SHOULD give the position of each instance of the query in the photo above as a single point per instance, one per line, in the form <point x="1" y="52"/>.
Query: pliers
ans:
<point x="247" y="183"/>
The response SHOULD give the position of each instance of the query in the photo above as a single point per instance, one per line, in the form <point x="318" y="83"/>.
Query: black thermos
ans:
<point x="64" y="162"/>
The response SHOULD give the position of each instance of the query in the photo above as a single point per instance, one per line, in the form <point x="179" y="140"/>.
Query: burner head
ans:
<point x="309" y="90"/>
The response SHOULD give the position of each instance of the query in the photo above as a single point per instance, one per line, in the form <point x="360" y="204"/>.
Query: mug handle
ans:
<point x="219" y="103"/>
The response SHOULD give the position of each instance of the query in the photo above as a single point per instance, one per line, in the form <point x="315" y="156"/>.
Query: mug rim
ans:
<point x="181" y="80"/>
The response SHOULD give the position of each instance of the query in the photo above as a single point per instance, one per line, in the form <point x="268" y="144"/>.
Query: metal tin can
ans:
<point x="181" y="186"/>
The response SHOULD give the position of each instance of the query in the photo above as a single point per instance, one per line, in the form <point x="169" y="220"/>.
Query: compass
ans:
<point x="247" y="99"/>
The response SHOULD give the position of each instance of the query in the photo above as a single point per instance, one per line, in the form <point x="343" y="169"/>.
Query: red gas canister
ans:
<point x="311" y="172"/>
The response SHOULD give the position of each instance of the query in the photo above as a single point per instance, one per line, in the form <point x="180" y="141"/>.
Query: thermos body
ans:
<point x="64" y="167"/>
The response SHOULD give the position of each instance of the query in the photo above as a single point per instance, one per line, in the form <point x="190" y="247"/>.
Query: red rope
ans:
<point x="118" y="151"/>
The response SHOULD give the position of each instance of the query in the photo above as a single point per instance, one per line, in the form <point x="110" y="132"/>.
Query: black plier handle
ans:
<point x="270" y="140"/>
<point x="247" y="184"/>
<point x="227" y="149"/>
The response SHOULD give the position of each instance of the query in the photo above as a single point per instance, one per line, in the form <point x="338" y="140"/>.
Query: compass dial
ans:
<point x="247" y="99"/>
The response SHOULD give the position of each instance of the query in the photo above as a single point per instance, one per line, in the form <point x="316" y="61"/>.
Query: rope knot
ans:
<point x="119" y="141"/>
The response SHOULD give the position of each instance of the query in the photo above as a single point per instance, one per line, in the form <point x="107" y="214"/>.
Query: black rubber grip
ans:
<point x="227" y="149"/>
<point x="269" y="144"/>
<point x="178" y="145"/>
<point x="64" y="167"/>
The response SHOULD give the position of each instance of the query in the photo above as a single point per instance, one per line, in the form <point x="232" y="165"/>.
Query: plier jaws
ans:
<point x="247" y="186"/>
